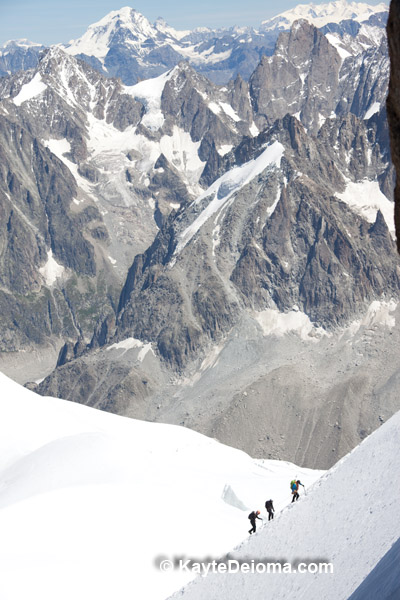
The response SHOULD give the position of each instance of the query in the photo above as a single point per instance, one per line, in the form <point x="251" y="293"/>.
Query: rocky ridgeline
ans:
<point x="126" y="45"/>
<point x="148" y="227"/>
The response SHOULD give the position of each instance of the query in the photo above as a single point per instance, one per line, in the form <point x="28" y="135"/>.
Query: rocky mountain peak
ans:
<point x="175" y="220"/>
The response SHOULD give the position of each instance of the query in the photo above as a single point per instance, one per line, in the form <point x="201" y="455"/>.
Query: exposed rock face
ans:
<point x="125" y="44"/>
<point x="36" y="190"/>
<point x="189" y="241"/>
<point x="314" y="79"/>
<point x="285" y="240"/>
<point x="393" y="101"/>
<point x="19" y="55"/>
<point x="63" y="126"/>
<point x="55" y="281"/>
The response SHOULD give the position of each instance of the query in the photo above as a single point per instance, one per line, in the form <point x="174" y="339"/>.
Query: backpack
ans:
<point x="293" y="483"/>
<point x="251" y="515"/>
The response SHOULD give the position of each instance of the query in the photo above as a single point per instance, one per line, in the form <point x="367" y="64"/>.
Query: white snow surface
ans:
<point x="374" y="108"/>
<point x="322" y="14"/>
<point x="224" y="149"/>
<point x="349" y="518"/>
<point x="254" y="129"/>
<point x="295" y="322"/>
<point x="228" y="110"/>
<point x="51" y="271"/>
<point x="227" y="185"/>
<point x="337" y="43"/>
<point x="149" y="92"/>
<point x="96" y="40"/>
<point x="365" y="198"/>
<point x="89" y="499"/>
<point x="30" y="90"/>
<point x="22" y="42"/>
<point x="131" y="343"/>
<point x="378" y="313"/>
<point x="279" y="324"/>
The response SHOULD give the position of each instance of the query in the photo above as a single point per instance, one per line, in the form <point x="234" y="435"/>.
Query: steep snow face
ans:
<point x="349" y="518"/>
<point x="365" y="198"/>
<point x="229" y="184"/>
<point x="149" y="92"/>
<point x="322" y="14"/>
<point x="30" y="90"/>
<point x="90" y="500"/>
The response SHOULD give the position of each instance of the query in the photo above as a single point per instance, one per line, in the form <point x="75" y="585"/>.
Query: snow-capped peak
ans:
<point x="322" y="14"/>
<point x="21" y="43"/>
<point x="125" y="23"/>
<point x="162" y="26"/>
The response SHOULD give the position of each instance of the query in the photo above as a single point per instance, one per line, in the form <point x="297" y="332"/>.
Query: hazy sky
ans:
<point x="52" y="21"/>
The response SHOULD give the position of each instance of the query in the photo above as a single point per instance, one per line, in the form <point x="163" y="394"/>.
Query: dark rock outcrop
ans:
<point x="393" y="101"/>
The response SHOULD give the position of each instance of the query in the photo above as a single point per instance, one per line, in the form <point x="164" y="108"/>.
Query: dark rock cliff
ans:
<point x="393" y="101"/>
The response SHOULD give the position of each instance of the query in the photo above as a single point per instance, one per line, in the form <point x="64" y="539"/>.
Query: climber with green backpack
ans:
<point x="294" y="486"/>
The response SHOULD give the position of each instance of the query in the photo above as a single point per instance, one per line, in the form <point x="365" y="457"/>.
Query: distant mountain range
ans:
<point x="219" y="256"/>
<point x="125" y="44"/>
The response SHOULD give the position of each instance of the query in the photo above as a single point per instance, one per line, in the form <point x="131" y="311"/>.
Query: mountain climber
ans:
<point x="253" y="516"/>
<point x="270" y="508"/>
<point x="294" y="486"/>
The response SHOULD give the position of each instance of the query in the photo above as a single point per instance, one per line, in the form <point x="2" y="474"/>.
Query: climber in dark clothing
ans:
<point x="270" y="508"/>
<point x="253" y="516"/>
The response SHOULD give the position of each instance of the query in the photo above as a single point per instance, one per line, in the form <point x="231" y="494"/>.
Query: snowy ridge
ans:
<point x="322" y="14"/>
<point x="96" y="40"/>
<point x="21" y="43"/>
<point x="350" y="518"/>
<point x="126" y="27"/>
<point x="141" y="36"/>
<point x="90" y="500"/>
<point x="229" y="184"/>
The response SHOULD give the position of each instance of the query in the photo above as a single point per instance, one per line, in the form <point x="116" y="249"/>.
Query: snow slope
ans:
<point x="227" y="185"/>
<point x="365" y="198"/>
<point x="322" y="14"/>
<point x="350" y="518"/>
<point x="89" y="500"/>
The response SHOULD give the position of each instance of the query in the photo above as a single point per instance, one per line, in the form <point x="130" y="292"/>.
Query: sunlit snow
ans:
<point x="149" y="92"/>
<point x="365" y="198"/>
<point x="30" y="90"/>
<point x="336" y="43"/>
<point x="350" y="519"/>
<point x="227" y="185"/>
<point x="90" y="500"/>
<point x="374" y="108"/>
<point x="51" y="270"/>
<point x="278" y="324"/>
<point x="322" y="14"/>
